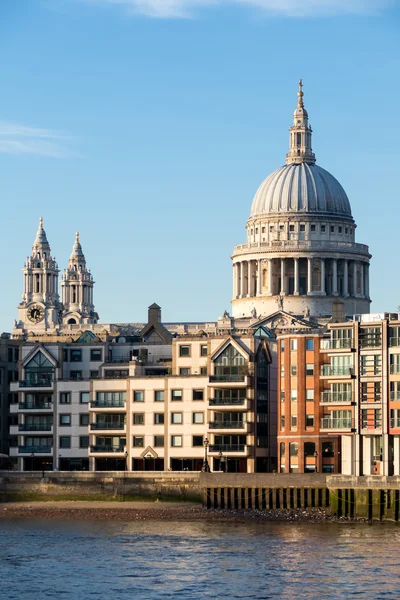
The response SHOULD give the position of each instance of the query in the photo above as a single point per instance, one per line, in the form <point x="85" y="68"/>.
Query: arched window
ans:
<point x="71" y="322"/>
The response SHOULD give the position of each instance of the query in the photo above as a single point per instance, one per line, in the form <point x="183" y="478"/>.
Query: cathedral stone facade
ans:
<point x="301" y="252"/>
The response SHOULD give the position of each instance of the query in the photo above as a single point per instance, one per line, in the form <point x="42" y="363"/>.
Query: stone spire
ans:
<point x="77" y="289"/>
<point x="300" y="134"/>
<point x="41" y="247"/>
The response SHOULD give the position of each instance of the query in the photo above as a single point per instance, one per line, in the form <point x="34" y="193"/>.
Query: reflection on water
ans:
<point x="149" y="560"/>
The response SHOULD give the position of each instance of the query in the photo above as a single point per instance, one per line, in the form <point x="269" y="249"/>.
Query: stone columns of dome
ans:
<point x="345" y="277"/>
<point x="259" y="278"/>
<point x="242" y="281"/>
<point x="366" y="270"/>
<point x="270" y="280"/>
<point x="354" y="290"/>
<point x="283" y="277"/>
<point x="309" y="276"/>
<point x="334" y="278"/>
<point x="362" y="279"/>
<point x="296" y="277"/>
<point x="251" y="278"/>
<point x="323" y="276"/>
<point x="237" y="283"/>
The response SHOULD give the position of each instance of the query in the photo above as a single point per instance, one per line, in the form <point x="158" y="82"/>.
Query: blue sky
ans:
<point x="147" y="125"/>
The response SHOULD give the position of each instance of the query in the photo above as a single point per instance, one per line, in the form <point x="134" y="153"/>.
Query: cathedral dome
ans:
<point x="303" y="188"/>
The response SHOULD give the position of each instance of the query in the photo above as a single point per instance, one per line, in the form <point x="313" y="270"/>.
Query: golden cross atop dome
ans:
<point x="41" y="222"/>
<point x="77" y="236"/>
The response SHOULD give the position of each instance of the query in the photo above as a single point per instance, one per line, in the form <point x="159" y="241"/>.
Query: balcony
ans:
<point x="35" y="449"/>
<point x="342" y="344"/>
<point x="108" y="449"/>
<point x="394" y="396"/>
<point x="395" y="369"/>
<point x="35" y="406"/>
<point x="108" y="404"/>
<point x="333" y="371"/>
<point x="35" y="427"/>
<point x="394" y="341"/>
<point x="223" y="404"/>
<point x="236" y="448"/>
<point x="227" y="425"/>
<point x="395" y="423"/>
<point x="33" y="383"/>
<point x="228" y="378"/>
<point x="107" y="426"/>
<point x="336" y="398"/>
<point x="337" y="423"/>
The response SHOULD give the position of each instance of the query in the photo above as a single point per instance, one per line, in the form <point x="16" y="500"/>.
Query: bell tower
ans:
<point x="77" y="289"/>
<point x="40" y="306"/>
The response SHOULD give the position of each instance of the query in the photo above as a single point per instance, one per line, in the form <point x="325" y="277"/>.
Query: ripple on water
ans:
<point x="150" y="560"/>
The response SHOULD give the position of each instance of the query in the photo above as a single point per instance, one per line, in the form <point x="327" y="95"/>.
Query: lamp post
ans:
<point x="206" y="466"/>
<point x="316" y="461"/>
<point x="126" y="461"/>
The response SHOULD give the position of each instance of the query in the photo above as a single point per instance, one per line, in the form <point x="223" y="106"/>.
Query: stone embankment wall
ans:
<point x="99" y="486"/>
<point x="368" y="497"/>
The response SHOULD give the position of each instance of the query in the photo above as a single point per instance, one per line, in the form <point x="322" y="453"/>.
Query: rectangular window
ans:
<point x="65" y="441"/>
<point x="293" y="344"/>
<point x="198" y="394"/>
<point x="96" y="355"/>
<point x="282" y="370"/>
<point x="184" y="350"/>
<point x="198" y="418"/>
<point x="158" y="418"/>
<point x="138" y="441"/>
<point x="84" y="441"/>
<point x="282" y="396"/>
<point x="138" y="418"/>
<point x="94" y="374"/>
<point x="339" y="230"/>
<point x="176" y="441"/>
<point x="159" y="396"/>
<point x="309" y="344"/>
<point x="65" y="355"/>
<point x="282" y="422"/>
<point x="293" y="370"/>
<point x="84" y="397"/>
<point x="75" y="356"/>
<point x="75" y="375"/>
<point x="291" y="227"/>
<point x="184" y="371"/>
<point x="293" y="395"/>
<point x="176" y="395"/>
<point x="203" y="350"/>
<point x="309" y="420"/>
<point x="159" y="441"/>
<point x="310" y="394"/>
<point x="309" y="369"/>
<point x="312" y="228"/>
<point x="197" y="441"/>
<point x="138" y="396"/>
<point x="65" y="420"/>
<point x="65" y="397"/>
<point x="323" y="228"/>
<point x="293" y="421"/>
<point x="332" y="229"/>
<point x="203" y="370"/>
<point x="176" y="418"/>
<point x="302" y="227"/>
<point x="83" y="420"/>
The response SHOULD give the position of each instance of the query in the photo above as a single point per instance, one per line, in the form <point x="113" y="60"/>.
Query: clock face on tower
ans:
<point x="35" y="313"/>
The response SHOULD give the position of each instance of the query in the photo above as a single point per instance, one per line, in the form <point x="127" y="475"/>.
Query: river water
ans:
<point x="145" y="560"/>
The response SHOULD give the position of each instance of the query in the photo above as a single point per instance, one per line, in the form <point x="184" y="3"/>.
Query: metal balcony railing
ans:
<point x="108" y="449"/>
<point x="226" y="425"/>
<point x="104" y="426"/>
<point x="336" y="423"/>
<point x="227" y="448"/>
<point x="337" y="397"/>
<point x="35" y="427"/>
<point x="227" y="401"/>
<point x="35" y="449"/>
<point x="333" y="371"/>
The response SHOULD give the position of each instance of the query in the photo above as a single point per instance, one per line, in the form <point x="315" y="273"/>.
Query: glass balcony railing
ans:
<point x="28" y="383"/>
<point x="107" y="403"/>
<point x="35" y="406"/>
<point x="35" y="427"/>
<point x="336" y="423"/>
<point x="394" y="341"/>
<point x="337" y="397"/>
<point x="227" y="401"/>
<point x="107" y="449"/>
<point x="395" y="395"/>
<point x="227" y="448"/>
<point x="395" y="369"/>
<point x="395" y="423"/>
<point x="35" y="449"/>
<point x="335" y="371"/>
<point x="228" y="377"/>
<point x="104" y="426"/>
<point x="341" y="344"/>
<point x="226" y="425"/>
